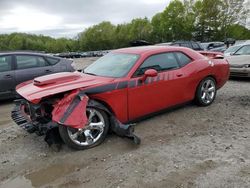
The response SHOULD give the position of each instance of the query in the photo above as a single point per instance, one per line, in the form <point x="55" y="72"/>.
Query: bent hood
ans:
<point x="44" y="86"/>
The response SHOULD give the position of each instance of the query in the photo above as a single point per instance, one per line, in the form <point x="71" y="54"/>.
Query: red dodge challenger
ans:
<point x="120" y="88"/>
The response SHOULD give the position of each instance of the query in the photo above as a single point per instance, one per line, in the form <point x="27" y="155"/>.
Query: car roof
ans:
<point x="145" y="49"/>
<point x="25" y="53"/>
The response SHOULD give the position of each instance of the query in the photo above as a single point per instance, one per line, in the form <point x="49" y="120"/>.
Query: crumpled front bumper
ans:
<point x="20" y="117"/>
<point x="26" y="119"/>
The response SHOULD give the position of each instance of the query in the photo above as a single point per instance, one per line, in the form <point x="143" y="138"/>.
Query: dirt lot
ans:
<point x="187" y="147"/>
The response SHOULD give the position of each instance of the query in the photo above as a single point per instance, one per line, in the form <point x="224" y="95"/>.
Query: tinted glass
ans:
<point x="195" y="46"/>
<point x="5" y="63"/>
<point x="26" y="61"/>
<point x="52" y="61"/>
<point x="112" y="65"/>
<point x="183" y="59"/>
<point x="245" y="50"/>
<point x="232" y="49"/>
<point x="159" y="62"/>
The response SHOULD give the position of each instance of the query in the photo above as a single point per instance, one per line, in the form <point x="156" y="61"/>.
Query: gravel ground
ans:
<point x="187" y="147"/>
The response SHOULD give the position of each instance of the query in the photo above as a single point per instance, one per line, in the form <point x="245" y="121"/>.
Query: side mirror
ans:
<point x="149" y="73"/>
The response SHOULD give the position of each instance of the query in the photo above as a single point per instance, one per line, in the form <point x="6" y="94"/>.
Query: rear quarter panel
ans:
<point x="221" y="72"/>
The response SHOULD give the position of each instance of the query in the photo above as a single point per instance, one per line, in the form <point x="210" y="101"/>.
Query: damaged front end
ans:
<point x="68" y="110"/>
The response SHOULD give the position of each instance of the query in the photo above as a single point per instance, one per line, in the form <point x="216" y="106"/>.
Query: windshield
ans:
<point x="112" y="65"/>
<point x="232" y="49"/>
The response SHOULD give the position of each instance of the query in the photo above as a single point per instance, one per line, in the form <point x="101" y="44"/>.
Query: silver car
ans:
<point x="239" y="60"/>
<point x="17" y="67"/>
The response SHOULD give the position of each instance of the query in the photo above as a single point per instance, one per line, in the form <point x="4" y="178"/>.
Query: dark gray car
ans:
<point x="17" y="67"/>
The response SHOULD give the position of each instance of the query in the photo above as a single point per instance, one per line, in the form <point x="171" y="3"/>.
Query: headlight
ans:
<point x="247" y="66"/>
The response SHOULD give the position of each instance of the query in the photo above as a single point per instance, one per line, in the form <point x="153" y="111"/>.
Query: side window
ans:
<point x="159" y="62"/>
<point x="245" y="50"/>
<point x="27" y="61"/>
<point x="5" y="63"/>
<point x="183" y="59"/>
<point x="52" y="61"/>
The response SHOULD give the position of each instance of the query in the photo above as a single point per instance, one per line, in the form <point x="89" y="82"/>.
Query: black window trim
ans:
<point x="137" y="76"/>
<point x="35" y="55"/>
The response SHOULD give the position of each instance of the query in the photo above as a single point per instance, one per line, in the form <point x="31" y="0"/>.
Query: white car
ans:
<point x="238" y="57"/>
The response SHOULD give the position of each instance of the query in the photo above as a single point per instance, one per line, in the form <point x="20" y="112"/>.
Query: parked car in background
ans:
<point x="164" y="44"/>
<point x="69" y="55"/>
<point x="214" y="46"/>
<point x="18" y="67"/>
<point x="189" y="44"/>
<point x="233" y="49"/>
<point x="239" y="59"/>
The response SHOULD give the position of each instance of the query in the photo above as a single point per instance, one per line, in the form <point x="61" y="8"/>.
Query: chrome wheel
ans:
<point x="92" y="132"/>
<point x="208" y="90"/>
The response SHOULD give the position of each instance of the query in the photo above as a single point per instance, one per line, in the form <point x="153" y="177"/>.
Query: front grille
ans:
<point x="20" y="119"/>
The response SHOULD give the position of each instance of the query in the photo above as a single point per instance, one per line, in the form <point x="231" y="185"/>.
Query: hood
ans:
<point x="238" y="60"/>
<point x="44" y="86"/>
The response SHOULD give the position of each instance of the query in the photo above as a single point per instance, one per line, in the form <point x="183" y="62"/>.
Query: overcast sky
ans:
<point x="66" y="18"/>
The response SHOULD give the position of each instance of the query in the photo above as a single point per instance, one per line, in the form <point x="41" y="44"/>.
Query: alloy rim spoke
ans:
<point x="211" y="89"/>
<point x="91" y="115"/>
<point x="89" y="137"/>
<point x="96" y="126"/>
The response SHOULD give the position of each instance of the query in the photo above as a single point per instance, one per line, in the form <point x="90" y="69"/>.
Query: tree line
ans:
<point x="200" y="20"/>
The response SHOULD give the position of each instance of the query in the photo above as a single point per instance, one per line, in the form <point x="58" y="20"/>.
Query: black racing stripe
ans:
<point x="132" y="83"/>
<point x="100" y="89"/>
<point x="122" y="85"/>
<point x="70" y="109"/>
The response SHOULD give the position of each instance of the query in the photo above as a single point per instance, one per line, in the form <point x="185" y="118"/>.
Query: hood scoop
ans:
<point x="56" y="78"/>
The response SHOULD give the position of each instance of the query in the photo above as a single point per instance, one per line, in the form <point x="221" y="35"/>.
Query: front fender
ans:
<point x="71" y="110"/>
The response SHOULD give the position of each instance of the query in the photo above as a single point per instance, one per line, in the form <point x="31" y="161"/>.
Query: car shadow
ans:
<point x="241" y="79"/>
<point x="6" y="101"/>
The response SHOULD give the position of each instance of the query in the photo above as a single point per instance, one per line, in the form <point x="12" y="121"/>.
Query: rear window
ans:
<point x="183" y="59"/>
<point x="52" y="61"/>
<point x="5" y="63"/>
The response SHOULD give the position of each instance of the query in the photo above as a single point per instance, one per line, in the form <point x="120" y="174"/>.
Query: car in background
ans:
<point x="214" y="46"/>
<point x="164" y="44"/>
<point x="239" y="59"/>
<point x="18" y="67"/>
<point x="188" y="44"/>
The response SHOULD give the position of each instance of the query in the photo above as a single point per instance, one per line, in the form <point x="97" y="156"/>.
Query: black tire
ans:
<point x="64" y="133"/>
<point x="199" y="96"/>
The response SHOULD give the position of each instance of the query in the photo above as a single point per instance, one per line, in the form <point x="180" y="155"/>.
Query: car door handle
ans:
<point x="8" y="76"/>
<point x="48" y="70"/>
<point x="179" y="75"/>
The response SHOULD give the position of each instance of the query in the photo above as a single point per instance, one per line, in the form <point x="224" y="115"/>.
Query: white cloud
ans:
<point x="66" y="18"/>
<point x="23" y="19"/>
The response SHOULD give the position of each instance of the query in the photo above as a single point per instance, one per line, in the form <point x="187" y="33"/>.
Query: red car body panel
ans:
<point x="130" y="98"/>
